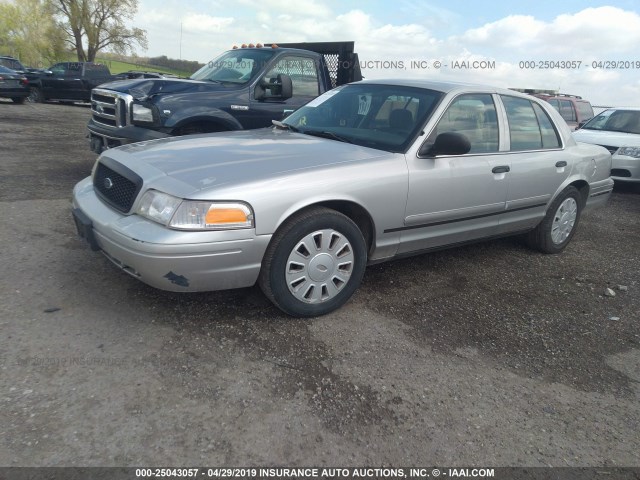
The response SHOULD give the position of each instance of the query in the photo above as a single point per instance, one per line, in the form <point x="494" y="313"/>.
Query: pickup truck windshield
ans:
<point x="235" y="66"/>
<point x="372" y="115"/>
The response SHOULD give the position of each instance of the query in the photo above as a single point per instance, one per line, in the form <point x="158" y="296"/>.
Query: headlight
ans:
<point x="158" y="206"/>
<point x="629" y="152"/>
<point x="194" y="214"/>
<point x="142" y="114"/>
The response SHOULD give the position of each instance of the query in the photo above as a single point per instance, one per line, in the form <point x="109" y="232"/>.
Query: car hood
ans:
<point x="140" y="88"/>
<point x="608" y="138"/>
<point x="203" y="162"/>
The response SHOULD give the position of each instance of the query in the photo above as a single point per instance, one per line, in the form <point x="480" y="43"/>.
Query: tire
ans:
<point x="35" y="95"/>
<point x="314" y="263"/>
<point x="559" y="225"/>
<point x="19" y="100"/>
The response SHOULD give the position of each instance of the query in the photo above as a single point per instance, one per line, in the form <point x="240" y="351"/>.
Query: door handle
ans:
<point x="501" y="169"/>
<point x="561" y="164"/>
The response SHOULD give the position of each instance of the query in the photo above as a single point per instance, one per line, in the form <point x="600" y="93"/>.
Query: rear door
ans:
<point x="538" y="163"/>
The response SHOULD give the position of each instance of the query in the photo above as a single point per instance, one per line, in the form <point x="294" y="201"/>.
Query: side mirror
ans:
<point x="281" y="89"/>
<point x="286" y="86"/>
<point x="447" y="143"/>
<point x="581" y="124"/>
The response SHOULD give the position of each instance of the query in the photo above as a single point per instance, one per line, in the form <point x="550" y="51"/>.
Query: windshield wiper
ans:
<point x="284" y="126"/>
<point x="327" y="134"/>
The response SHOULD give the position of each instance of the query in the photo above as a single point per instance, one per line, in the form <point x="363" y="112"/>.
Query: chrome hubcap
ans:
<point x="564" y="220"/>
<point x="319" y="266"/>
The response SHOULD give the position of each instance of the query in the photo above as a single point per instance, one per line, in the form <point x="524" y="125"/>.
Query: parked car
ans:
<point x="12" y="63"/>
<point x="240" y="89"/>
<point x="15" y="64"/>
<point x="575" y="110"/>
<point x="13" y="85"/>
<point x="365" y="173"/>
<point x="68" y="81"/>
<point x="617" y="130"/>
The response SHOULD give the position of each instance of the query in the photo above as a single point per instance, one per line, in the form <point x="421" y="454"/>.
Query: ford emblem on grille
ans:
<point x="108" y="183"/>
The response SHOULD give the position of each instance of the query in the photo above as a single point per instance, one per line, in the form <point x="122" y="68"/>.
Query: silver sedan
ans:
<point x="365" y="173"/>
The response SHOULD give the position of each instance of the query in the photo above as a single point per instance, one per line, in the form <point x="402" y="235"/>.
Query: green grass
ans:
<point x="117" y="66"/>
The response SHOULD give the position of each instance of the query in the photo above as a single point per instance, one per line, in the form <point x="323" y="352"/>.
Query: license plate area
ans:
<point x="84" y="226"/>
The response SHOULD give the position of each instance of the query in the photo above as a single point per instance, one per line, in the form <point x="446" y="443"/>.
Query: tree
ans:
<point x="28" y="32"/>
<point x="99" y="23"/>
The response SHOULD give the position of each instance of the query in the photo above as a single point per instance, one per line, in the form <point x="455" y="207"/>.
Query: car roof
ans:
<point x="446" y="87"/>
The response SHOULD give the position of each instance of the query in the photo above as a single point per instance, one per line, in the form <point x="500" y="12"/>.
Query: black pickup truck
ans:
<point x="68" y="81"/>
<point x="243" y="88"/>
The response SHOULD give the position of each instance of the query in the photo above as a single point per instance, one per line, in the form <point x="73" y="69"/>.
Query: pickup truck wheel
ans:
<point x="557" y="228"/>
<point x="18" y="99"/>
<point x="314" y="263"/>
<point x="35" y="95"/>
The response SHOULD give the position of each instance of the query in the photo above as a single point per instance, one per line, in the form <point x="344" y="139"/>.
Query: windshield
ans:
<point x="626" y="121"/>
<point x="386" y="117"/>
<point x="235" y="66"/>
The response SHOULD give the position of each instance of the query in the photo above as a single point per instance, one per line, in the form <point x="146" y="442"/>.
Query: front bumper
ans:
<point x="174" y="260"/>
<point x="625" y="169"/>
<point x="102" y="137"/>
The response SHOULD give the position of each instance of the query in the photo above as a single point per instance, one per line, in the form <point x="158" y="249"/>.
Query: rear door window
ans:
<point x="530" y="128"/>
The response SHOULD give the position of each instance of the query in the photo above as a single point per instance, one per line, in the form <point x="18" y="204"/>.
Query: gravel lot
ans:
<point x="488" y="355"/>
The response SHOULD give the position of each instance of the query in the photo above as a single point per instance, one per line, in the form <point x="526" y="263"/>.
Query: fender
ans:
<point x="593" y="164"/>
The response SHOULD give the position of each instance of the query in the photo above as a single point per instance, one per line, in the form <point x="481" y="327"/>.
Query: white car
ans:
<point x="617" y="130"/>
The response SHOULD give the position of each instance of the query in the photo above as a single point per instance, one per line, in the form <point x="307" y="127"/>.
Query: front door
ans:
<point x="454" y="199"/>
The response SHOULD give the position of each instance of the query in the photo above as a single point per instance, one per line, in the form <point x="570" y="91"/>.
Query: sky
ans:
<point x="585" y="48"/>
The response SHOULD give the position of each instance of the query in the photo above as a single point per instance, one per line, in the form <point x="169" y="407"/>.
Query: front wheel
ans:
<point x="557" y="228"/>
<point x="18" y="100"/>
<point x="314" y="263"/>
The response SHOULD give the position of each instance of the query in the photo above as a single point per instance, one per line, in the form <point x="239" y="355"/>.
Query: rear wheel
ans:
<point x="35" y="95"/>
<point x="554" y="233"/>
<point x="314" y="263"/>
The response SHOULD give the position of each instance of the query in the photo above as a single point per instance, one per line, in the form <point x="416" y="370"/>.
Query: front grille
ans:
<point x="116" y="184"/>
<point x="110" y="108"/>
